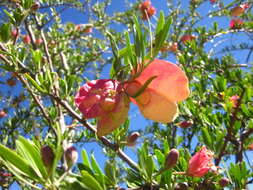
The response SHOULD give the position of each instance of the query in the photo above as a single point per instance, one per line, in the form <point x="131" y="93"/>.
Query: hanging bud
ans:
<point x="27" y="39"/>
<point x="171" y="159"/>
<point x="181" y="186"/>
<point x="71" y="156"/>
<point x="35" y="6"/>
<point x="47" y="156"/>
<point x="185" y="124"/>
<point x="131" y="139"/>
<point x="224" y="182"/>
<point x="2" y="114"/>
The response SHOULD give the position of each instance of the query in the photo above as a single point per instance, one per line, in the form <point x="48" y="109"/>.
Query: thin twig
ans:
<point x="233" y="119"/>
<point x="103" y="139"/>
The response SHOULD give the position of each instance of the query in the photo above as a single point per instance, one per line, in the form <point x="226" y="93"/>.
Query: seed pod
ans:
<point x="47" y="156"/>
<point x="71" y="156"/>
<point x="132" y="138"/>
<point x="171" y="159"/>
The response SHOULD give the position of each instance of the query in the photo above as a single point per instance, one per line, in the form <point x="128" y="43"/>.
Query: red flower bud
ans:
<point x="2" y="114"/>
<point x="14" y="33"/>
<point x="131" y="139"/>
<point x="239" y="10"/>
<point x="148" y="13"/>
<point x="27" y="39"/>
<point x="87" y="30"/>
<point x="171" y="159"/>
<point x="224" y="182"/>
<point x="38" y="41"/>
<point x="236" y="24"/>
<point x="11" y="82"/>
<point x="250" y="147"/>
<point x="35" y="6"/>
<point x="181" y="186"/>
<point x="213" y="1"/>
<point x="185" y="124"/>
<point x="47" y="156"/>
<point x="71" y="156"/>
<point x="234" y="100"/>
<point x="144" y="5"/>
<point x="186" y="38"/>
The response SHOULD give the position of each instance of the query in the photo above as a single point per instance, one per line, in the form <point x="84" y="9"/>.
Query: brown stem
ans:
<point x="103" y="139"/>
<point x="229" y="135"/>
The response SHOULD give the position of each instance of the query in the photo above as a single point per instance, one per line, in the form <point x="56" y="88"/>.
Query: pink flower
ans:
<point x="158" y="101"/>
<point x="236" y="24"/>
<point x="200" y="163"/>
<point x="105" y="100"/>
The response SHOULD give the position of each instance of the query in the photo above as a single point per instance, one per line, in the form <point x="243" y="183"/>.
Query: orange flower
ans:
<point x="200" y="163"/>
<point x="158" y="101"/>
<point x="186" y="38"/>
<point x="147" y="9"/>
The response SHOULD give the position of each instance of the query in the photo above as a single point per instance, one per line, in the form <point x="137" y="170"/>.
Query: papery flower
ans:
<point x="200" y="163"/>
<point x="158" y="101"/>
<point x="236" y="24"/>
<point x="105" y="100"/>
<point x="239" y="10"/>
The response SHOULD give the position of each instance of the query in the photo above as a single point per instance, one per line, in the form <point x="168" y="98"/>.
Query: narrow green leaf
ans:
<point x="33" y="154"/>
<point x="90" y="182"/>
<point x="12" y="157"/>
<point x="34" y="83"/>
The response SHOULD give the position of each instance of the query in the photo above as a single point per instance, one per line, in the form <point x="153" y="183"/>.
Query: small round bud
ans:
<point x="11" y="82"/>
<point x="224" y="182"/>
<point x="171" y="159"/>
<point x="185" y="124"/>
<point x="35" y="6"/>
<point x="47" y="156"/>
<point x="71" y="156"/>
<point x="14" y="33"/>
<point x="181" y="186"/>
<point x="2" y="114"/>
<point x="27" y="39"/>
<point x="38" y="41"/>
<point x="131" y="139"/>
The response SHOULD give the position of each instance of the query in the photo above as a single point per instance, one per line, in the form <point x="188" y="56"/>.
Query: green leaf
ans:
<point x="17" y="161"/>
<point x="5" y="32"/>
<point x="31" y="153"/>
<point x="206" y="137"/>
<point x="34" y="83"/>
<point x="85" y="158"/>
<point x="90" y="182"/>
